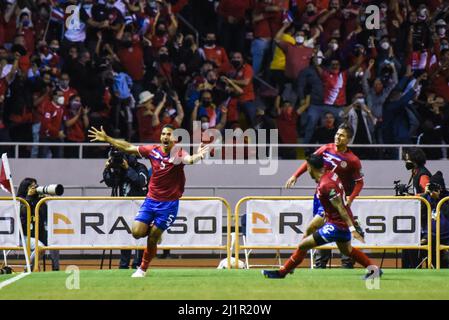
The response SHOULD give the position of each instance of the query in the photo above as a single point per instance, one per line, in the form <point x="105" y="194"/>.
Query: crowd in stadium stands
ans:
<point x="302" y="66"/>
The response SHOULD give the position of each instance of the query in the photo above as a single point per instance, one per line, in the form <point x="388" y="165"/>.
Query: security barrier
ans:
<point x="92" y="223"/>
<point x="14" y="233"/>
<point x="265" y="236"/>
<point x="439" y="247"/>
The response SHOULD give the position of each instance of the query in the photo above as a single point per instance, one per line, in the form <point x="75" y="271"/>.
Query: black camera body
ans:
<point x="117" y="158"/>
<point x="402" y="189"/>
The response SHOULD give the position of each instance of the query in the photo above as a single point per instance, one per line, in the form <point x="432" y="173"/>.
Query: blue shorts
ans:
<point x="317" y="207"/>
<point x="161" y="213"/>
<point x="331" y="233"/>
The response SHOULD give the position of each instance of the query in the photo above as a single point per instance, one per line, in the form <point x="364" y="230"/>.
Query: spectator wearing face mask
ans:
<point x="297" y="56"/>
<point x="361" y="119"/>
<point x="130" y="53"/>
<point x="64" y="85"/>
<point x="310" y="85"/>
<point x="52" y="113"/>
<point x="332" y="19"/>
<point x="376" y="96"/>
<point x="212" y="52"/>
<point x="76" y="122"/>
<point x="207" y="107"/>
<point x="25" y="28"/>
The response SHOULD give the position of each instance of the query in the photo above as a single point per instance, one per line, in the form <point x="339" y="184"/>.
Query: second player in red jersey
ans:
<point x="338" y="226"/>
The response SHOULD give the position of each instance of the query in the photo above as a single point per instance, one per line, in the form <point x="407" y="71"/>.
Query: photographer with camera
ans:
<point x="415" y="160"/>
<point x="435" y="191"/>
<point x="127" y="178"/>
<point x="33" y="193"/>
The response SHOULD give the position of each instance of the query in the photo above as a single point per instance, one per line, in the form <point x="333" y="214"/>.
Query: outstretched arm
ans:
<point x="122" y="145"/>
<point x="194" y="158"/>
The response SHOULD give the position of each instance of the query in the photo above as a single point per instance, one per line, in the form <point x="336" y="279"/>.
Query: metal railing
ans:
<point x="16" y="146"/>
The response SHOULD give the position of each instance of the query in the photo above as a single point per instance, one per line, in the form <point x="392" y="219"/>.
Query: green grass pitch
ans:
<point x="198" y="284"/>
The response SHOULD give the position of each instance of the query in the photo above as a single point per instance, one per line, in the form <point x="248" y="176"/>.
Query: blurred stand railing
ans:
<point x="99" y="150"/>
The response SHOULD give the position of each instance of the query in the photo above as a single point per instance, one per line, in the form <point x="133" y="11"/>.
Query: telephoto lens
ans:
<point x="51" y="189"/>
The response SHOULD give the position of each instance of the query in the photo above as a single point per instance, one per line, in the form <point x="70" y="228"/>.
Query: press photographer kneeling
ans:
<point x="33" y="193"/>
<point x="127" y="178"/>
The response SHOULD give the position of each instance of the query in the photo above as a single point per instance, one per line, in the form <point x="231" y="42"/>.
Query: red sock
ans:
<point x="295" y="260"/>
<point x="148" y="254"/>
<point x="360" y="257"/>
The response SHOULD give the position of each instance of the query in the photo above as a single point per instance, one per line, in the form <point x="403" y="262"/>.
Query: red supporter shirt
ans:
<point x="287" y="126"/>
<point x="246" y="72"/>
<point x="330" y="187"/>
<point x="297" y="58"/>
<point x="67" y="94"/>
<point x="346" y="164"/>
<point x="145" y="126"/>
<point x="76" y="132"/>
<point x="51" y="120"/>
<point x="168" y="179"/>
<point x="233" y="8"/>
<point x="217" y="55"/>
<point x="334" y="87"/>
<point x="132" y="61"/>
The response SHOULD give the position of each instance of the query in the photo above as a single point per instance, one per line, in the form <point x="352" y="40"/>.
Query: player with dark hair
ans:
<point x="338" y="158"/>
<point x="160" y="208"/>
<point x="415" y="160"/>
<point x="338" y="227"/>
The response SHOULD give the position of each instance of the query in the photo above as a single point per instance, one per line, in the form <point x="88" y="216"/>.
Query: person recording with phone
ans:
<point x="127" y="178"/>
<point x="33" y="193"/>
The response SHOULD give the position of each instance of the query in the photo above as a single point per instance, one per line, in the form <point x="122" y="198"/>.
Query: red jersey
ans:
<point x="168" y="179"/>
<point x="330" y="187"/>
<point x="51" y="120"/>
<point x="334" y="87"/>
<point x="346" y="164"/>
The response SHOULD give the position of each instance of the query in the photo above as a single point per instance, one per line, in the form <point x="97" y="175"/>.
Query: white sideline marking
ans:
<point x="14" y="279"/>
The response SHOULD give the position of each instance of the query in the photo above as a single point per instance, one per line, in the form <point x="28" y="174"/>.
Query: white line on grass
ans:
<point x="14" y="279"/>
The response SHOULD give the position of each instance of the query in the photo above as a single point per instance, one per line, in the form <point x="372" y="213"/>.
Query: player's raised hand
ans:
<point x="203" y="150"/>
<point x="358" y="236"/>
<point x="290" y="182"/>
<point x="97" y="135"/>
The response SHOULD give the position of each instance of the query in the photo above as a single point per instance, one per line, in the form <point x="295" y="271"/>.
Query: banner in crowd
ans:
<point x="386" y="222"/>
<point x="100" y="223"/>
<point x="9" y="226"/>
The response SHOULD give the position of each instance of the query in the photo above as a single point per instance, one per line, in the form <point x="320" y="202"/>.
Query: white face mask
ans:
<point x="299" y="39"/>
<point x="334" y="46"/>
<point x="60" y="100"/>
<point x="204" y="126"/>
<point x="359" y="74"/>
<point x="360" y="101"/>
<point x="319" y="60"/>
<point x="385" y="45"/>
<point x="442" y="31"/>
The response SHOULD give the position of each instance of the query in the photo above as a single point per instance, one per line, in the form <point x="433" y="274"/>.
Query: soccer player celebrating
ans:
<point x="339" y="225"/>
<point x="339" y="159"/>
<point x="166" y="186"/>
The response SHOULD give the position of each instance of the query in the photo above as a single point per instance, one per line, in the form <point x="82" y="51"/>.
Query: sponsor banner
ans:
<point x="98" y="223"/>
<point x="386" y="222"/>
<point x="9" y="226"/>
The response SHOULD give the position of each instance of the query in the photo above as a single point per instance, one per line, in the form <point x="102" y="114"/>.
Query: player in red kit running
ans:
<point x="339" y="225"/>
<point x="339" y="159"/>
<point x="166" y="186"/>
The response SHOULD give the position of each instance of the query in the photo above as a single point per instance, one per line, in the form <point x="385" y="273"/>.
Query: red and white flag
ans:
<point x="5" y="174"/>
